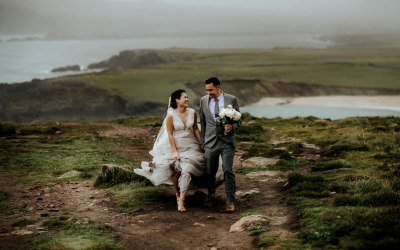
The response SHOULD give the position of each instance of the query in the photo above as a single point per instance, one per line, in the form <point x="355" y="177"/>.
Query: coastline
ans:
<point x="368" y="102"/>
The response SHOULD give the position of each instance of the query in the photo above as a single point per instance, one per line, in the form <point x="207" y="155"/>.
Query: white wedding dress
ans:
<point x="191" y="158"/>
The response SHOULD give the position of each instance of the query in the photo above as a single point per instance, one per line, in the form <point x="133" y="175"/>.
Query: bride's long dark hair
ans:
<point x="176" y="95"/>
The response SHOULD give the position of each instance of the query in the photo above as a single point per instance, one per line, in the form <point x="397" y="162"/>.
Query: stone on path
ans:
<point x="248" y="221"/>
<point x="69" y="174"/>
<point x="259" y="162"/>
<point x="22" y="232"/>
<point x="264" y="173"/>
<point x="242" y="194"/>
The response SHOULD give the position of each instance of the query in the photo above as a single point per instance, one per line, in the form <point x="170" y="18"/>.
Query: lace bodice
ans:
<point x="179" y="125"/>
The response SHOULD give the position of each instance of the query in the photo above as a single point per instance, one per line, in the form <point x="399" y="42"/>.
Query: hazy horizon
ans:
<point x="75" y="19"/>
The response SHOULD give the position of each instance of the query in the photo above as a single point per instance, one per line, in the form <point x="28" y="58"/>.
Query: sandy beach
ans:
<point x="370" y="102"/>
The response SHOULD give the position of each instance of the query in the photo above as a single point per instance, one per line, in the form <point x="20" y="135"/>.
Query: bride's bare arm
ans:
<point x="196" y="129"/>
<point x="170" y="132"/>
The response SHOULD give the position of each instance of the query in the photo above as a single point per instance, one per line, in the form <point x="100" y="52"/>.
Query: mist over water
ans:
<point x="24" y="60"/>
<point x="114" y="19"/>
<point x="39" y="35"/>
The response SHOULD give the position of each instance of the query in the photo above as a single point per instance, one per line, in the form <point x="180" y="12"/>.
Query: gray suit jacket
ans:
<point x="210" y="130"/>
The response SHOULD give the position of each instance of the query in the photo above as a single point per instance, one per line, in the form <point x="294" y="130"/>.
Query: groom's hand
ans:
<point x="228" y="128"/>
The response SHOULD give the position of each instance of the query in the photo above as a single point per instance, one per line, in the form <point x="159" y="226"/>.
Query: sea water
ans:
<point x="22" y="61"/>
<point x="323" y="112"/>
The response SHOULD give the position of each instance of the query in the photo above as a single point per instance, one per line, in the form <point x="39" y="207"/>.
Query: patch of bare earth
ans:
<point x="159" y="227"/>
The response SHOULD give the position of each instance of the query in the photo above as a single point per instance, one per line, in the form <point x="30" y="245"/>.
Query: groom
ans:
<point x="218" y="140"/>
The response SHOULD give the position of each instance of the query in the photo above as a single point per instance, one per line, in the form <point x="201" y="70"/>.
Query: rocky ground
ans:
<point x="162" y="226"/>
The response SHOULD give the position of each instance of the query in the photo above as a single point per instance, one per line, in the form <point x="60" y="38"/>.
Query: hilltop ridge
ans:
<point x="136" y="83"/>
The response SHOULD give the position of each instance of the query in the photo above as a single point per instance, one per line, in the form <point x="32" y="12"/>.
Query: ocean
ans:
<point x="22" y="61"/>
<point x="326" y="107"/>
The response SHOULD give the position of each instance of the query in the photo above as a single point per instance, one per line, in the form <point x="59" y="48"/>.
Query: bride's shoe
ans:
<point x="181" y="206"/>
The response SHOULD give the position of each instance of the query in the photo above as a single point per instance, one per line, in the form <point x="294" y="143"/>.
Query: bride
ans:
<point x="176" y="153"/>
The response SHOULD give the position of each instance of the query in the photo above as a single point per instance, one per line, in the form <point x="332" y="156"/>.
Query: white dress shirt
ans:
<point x="211" y="104"/>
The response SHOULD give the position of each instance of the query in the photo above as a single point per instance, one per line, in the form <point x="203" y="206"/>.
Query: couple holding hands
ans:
<point x="183" y="152"/>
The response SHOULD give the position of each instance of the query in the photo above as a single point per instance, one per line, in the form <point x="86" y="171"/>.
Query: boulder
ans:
<point x="247" y="222"/>
<point x="75" y="67"/>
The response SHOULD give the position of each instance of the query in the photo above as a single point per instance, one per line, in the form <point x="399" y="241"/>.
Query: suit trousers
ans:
<point x="227" y="152"/>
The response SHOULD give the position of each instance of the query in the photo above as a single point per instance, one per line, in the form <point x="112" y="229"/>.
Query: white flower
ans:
<point x="236" y="116"/>
<point x="230" y="113"/>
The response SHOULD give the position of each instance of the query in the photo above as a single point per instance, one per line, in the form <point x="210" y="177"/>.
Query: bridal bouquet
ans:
<point x="229" y="115"/>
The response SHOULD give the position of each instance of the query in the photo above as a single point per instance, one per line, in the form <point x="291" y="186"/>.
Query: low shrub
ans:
<point x="330" y="165"/>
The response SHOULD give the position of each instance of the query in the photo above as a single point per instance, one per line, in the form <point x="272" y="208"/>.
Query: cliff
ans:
<point x="80" y="100"/>
<point x="71" y="100"/>
<point x="139" y="58"/>
<point x="252" y="90"/>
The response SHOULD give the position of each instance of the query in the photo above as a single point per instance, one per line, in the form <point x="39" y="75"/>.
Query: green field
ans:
<point x="348" y="67"/>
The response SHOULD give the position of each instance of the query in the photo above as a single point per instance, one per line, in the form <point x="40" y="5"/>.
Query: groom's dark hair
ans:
<point x="176" y="95"/>
<point x="213" y="80"/>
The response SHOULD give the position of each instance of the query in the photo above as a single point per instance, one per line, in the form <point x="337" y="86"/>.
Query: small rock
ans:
<point x="199" y="224"/>
<point x="22" y="232"/>
<point x="246" y="222"/>
<point x="242" y="194"/>
<point x="264" y="173"/>
<point x="69" y="174"/>
<point x="259" y="162"/>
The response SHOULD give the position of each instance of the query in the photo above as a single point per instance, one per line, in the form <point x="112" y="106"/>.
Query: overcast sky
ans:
<point x="152" y="18"/>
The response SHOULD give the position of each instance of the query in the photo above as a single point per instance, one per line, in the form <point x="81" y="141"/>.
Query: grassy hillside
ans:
<point x="359" y="68"/>
<point x="346" y="195"/>
<point x="139" y="82"/>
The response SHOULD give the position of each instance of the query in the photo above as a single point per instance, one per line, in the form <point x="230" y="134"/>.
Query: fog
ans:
<point x="74" y="19"/>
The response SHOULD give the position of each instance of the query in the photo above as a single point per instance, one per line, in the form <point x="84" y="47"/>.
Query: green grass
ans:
<point x="266" y="240"/>
<point x="72" y="235"/>
<point x="360" y="168"/>
<point x="22" y="222"/>
<point x="40" y="157"/>
<point x="6" y="206"/>
<point x="133" y="198"/>
<point x="347" y="198"/>
<point x="360" y="68"/>
<point x="332" y="164"/>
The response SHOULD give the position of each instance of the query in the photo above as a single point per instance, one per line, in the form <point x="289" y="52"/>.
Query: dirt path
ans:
<point x="162" y="226"/>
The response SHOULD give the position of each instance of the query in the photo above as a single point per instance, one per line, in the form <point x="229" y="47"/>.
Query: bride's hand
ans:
<point x="175" y="156"/>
